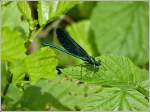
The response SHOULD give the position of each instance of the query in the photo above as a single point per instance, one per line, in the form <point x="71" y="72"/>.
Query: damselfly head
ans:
<point x="94" y="62"/>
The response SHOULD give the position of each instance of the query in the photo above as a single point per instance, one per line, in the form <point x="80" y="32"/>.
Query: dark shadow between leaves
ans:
<point x="33" y="99"/>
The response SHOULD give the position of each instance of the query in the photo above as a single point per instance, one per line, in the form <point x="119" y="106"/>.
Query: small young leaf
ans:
<point x="26" y="13"/>
<point x="25" y="9"/>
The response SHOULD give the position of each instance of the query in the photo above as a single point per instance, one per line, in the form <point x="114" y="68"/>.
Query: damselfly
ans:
<point x="71" y="47"/>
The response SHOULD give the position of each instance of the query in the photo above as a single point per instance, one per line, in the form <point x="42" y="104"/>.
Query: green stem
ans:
<point x="53" y="25"/>
<point x="143" y="91"/>
<point x="36" y="34"/>
<point x="9" y="80"/>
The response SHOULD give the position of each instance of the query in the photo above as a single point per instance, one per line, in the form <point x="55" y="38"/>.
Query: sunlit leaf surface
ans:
<point x="121" y="80"/>
<point x="41" y="64"/>
<point x="113" y="71"/>
<point x="12" y="45"/>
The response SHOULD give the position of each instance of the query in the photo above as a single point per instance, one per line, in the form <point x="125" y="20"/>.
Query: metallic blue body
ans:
<point x="71" y="47"/>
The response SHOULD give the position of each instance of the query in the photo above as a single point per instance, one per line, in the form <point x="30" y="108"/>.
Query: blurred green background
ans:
<point x="101" y="28"/>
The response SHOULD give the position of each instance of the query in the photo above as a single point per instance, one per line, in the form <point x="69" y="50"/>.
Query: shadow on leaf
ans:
<point x="33" y="99"/>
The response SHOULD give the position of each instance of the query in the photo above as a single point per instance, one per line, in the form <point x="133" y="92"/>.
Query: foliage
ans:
<point x="16" y="45"/>
<point x="123" y="80"/>
<point x="48" y="10"/>
<point x="41" y="62"/>
<point x="35" y="77"/>
<point x="130" y="23"/>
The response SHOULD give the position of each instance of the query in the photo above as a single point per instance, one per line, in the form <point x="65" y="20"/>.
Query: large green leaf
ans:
<point x="125" y="85"/>
<point x="49" y="10"/>
<point x="11" y="18"/>
<point x="122" y="29"/>
<point x="113" y="71"/>
<point x="69" y="94"/>
<point x="41" y="64"/>
<point x="59" y="94"/>
<point x="115" y="99"/>
<point x="12" y="45"/>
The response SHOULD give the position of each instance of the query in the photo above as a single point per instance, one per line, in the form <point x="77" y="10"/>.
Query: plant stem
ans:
<point x="143" y="91"/>
<point x="9" y="80"/>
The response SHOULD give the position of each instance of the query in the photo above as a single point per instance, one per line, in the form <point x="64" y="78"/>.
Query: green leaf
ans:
<point x="86" y="8"/>
<point x="124" y="84"/>
<point x="12" y="45"/>
<point x="122" y="29"/>
<point x="25" y="9"/>
<point x="82" y="11"/>
<point x="18" y="69"/>
<point x="12" y="96"/>
<point x="80" y="33"/>
<point x="113" y="71"/>
<point x="41" y="64"/>
<point x="69" y="94"/>
<point x="58" y="94"/>
<point x="115" y="99"/>
<point x="11" y="17"/>
<point x="49" y="10"/>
